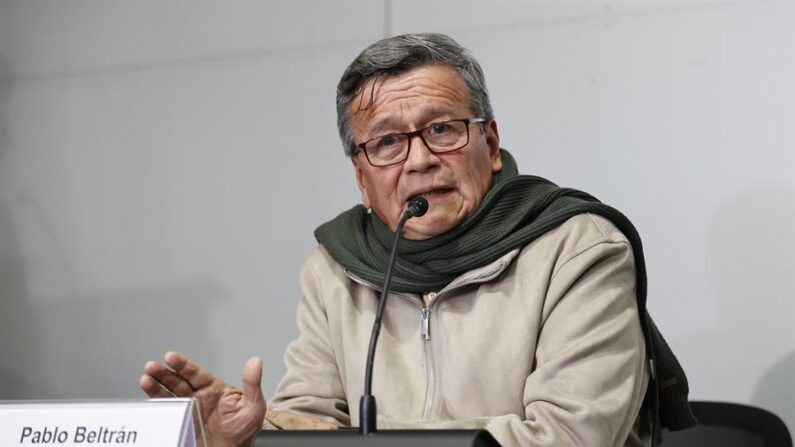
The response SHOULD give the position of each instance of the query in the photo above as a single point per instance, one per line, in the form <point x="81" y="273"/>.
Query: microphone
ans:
<point x="417" y="207"/>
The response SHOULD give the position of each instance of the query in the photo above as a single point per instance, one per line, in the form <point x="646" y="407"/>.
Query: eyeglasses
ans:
<point x="441" y="137"/>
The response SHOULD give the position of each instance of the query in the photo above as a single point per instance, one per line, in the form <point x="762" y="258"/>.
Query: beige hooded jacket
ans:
<point x="542" y="347"/>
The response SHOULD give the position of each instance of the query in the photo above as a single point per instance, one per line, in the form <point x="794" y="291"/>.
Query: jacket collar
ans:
<point x="479" y="275"/>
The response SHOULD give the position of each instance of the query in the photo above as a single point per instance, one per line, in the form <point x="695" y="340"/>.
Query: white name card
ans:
<point x="154" y="422"/>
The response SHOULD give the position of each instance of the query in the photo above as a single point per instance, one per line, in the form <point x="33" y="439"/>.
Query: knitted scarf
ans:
<point x="517" y="210"/>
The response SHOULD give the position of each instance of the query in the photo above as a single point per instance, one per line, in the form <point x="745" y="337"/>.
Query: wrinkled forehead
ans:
<point x="430" y="91"/>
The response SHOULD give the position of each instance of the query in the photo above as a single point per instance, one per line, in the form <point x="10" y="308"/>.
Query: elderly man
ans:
<point x="518" y="306"/>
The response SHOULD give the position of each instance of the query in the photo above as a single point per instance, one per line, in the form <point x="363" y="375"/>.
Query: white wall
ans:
<point x="163" y="166"/>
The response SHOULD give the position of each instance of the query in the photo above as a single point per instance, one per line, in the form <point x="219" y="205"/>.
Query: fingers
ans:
<point x="252" y="380"/>
<point x="153" y="388"/>
<point x="169" y="379"/>
<point x="178" y="377"/>
<point x="193" y="374"/>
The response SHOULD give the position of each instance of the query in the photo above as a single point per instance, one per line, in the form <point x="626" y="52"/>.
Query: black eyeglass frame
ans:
<point x="410" y="136"/>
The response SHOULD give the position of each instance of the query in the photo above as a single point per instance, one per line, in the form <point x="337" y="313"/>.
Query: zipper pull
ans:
<point x="425" y="330"/>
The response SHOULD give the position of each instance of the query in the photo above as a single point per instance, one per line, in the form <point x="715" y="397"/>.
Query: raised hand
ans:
<point x="231" y="416"/>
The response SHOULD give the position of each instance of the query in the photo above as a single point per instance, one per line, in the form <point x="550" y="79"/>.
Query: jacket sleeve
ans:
<point x="589" y="380"/>
<point x="312" y="385"/>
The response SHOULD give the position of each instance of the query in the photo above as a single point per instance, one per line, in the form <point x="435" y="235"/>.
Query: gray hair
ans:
<point x="399" y="54"/>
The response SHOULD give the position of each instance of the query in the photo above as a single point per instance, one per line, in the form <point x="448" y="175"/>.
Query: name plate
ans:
<point x="161" y="422"/>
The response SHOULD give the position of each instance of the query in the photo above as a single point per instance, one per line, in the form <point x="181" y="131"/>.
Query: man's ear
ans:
<point x="361" y="181"/>
<point x="493" y="141"/>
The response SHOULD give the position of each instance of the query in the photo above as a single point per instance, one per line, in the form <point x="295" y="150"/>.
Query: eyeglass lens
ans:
<point x="438" y="137"/>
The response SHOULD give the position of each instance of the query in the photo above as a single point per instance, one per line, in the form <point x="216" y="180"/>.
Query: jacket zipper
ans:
<point x="425" y="334"/>
<point x="425" y="326"/>
<point x="425" y="329"/>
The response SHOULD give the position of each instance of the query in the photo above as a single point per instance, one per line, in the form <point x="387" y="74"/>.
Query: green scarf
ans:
<point x="517" y="210"/>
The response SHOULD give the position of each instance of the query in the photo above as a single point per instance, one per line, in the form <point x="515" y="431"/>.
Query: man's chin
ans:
<point x="419" y="229"/>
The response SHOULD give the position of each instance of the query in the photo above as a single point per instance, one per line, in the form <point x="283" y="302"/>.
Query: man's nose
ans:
<point x="420" y="157"/>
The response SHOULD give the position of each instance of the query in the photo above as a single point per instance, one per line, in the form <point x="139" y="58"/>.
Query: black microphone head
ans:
<point x="418" y="206"/>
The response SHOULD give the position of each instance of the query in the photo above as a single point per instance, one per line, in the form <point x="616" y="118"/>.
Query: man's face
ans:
<point x="455" y="182"/>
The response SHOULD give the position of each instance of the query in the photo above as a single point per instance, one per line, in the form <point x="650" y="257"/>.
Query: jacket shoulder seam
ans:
<point x="596" y="223"/>
<point x="583" y="249"/>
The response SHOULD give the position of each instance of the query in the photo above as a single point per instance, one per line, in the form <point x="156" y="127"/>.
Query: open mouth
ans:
<point x="434" y="193"/>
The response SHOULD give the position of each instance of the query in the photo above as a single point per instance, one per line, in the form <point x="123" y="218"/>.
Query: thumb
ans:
<point x="252" y="380"/>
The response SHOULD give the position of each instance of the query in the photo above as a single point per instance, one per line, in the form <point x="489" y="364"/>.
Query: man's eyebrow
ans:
<point x="426" y="114"/>
<point x="389" y="121"/>
<point x="434" y="112"/>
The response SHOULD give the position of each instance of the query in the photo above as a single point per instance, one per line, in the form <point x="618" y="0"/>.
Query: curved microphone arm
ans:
<point x="417" y="207"/>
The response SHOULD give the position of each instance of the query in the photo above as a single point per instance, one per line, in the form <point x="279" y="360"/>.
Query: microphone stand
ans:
<point x="418" y="206"/>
